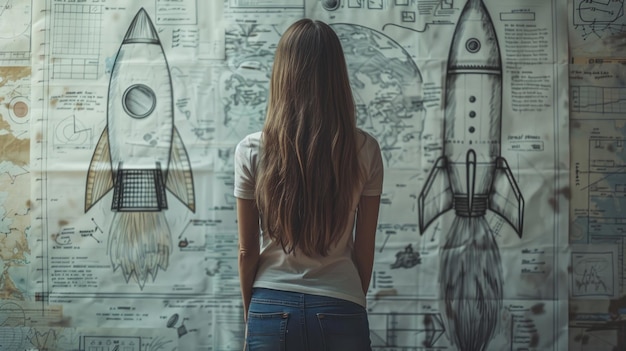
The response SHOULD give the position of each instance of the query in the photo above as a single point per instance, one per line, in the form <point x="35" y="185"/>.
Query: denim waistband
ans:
<point x="297" y="299"/>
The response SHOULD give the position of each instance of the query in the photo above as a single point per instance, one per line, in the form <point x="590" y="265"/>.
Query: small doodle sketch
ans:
<point x="172" y="322"/>
<point x="471" y="177"/>
<point x="406" y="258"/>
<point x="140" y="154"/>
<point x="598" y="18"/>
<point x="593" y="274"/>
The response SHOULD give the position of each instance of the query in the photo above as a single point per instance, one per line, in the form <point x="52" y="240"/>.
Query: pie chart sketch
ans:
<point x="70" y="132"/>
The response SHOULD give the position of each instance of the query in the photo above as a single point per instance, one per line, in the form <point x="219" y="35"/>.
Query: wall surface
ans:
<point x="118" y="124"/>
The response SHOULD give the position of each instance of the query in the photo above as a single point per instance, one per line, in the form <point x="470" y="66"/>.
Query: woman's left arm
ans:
<point x="249" y="248"/>
<point x="365" y="238"/>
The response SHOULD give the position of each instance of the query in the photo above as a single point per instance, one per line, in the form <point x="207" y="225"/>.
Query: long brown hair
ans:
<point x="308" y="167"/>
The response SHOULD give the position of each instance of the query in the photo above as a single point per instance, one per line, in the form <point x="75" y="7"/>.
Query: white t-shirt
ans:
<point x="334" y="275"/>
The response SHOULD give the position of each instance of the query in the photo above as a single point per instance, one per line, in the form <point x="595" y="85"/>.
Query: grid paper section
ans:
<point x="139" y="190"/>
<point x="76" y="41"/>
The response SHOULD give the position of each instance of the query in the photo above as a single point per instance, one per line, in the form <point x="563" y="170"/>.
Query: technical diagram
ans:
<point x="139" y="155"/>
<point x="471" y="177"/>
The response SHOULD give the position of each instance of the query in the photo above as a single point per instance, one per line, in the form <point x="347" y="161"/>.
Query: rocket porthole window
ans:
<point x="472" y="129"/>
<point x="139" y="101"/>
<point x="330" y="5"/>
<point x="472" y="114"/>
<point x="472" y="45"/>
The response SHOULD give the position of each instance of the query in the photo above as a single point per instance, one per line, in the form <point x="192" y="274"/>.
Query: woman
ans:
<point x="303" y="185"/>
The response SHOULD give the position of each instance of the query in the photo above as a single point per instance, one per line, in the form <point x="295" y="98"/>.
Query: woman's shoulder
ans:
<point x="365" y="140"/>
<point x="248" y="149"/>
<point x="250" y="141"/>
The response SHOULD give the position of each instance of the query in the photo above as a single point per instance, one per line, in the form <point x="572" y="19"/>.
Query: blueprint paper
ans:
<point x="597" y="174"/>
<point x="191" y="78"/>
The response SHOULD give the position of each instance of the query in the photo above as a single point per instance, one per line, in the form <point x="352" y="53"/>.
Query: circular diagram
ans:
<point x="386" y="84"/>
<point x="19" y="110"/>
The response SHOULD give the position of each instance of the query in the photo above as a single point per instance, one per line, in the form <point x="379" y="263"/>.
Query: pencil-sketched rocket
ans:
<point x="139" y="155"/>
<point x="471" y="177"/>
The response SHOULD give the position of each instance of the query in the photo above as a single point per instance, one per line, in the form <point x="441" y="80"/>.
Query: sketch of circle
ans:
<point x="19" y="109"/>
<point x="472" y="45"/>
<point x="139" y="100"/>
<point x="330" y="5"/>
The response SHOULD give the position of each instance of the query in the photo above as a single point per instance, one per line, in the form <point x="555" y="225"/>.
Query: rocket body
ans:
<point x="471" y="177"/>
<point x="139" y="155"/>
<point x="140" y="117"/>
<point x="472" y="115"/>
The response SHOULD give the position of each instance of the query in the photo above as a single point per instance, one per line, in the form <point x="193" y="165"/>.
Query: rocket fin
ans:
<point x="505" y="198"/>
<point x="179" y="177"/>
<point x="436" y="195"/>
<point x="99" y="176"/>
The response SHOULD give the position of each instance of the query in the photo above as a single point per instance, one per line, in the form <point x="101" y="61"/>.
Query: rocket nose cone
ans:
<point x="141" y="30"/>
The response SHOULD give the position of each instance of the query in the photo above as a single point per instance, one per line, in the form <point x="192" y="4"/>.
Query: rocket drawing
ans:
<point x="470" y="178"/>
<point x="140" y="154"/>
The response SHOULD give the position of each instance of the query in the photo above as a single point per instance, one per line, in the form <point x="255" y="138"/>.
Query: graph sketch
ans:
<point x="598" y="99"/>
<point x="471" y="177"/>
<point x="593" y="274"/>
<point x="606" y="186"/>
<point x="139" y="155"/>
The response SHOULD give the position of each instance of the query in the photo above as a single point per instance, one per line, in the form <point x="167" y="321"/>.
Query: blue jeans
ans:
<point x="289" y="321"/>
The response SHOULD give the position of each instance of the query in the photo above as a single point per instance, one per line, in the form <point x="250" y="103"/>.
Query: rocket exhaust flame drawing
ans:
<point x="471" y="177"/>
<point x="139" y="155"/>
